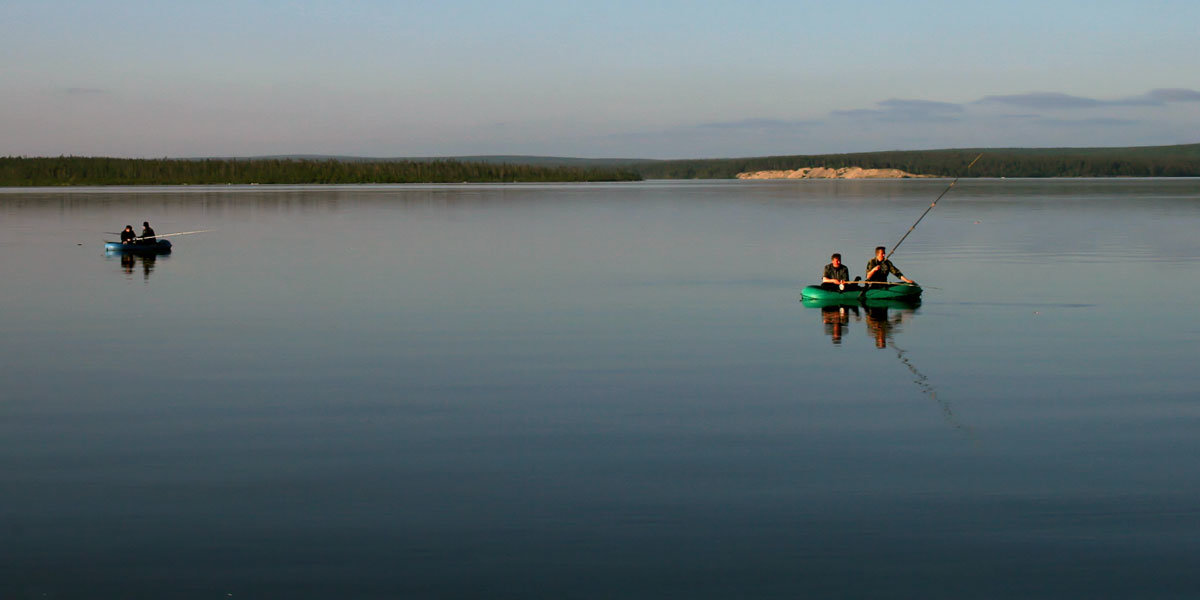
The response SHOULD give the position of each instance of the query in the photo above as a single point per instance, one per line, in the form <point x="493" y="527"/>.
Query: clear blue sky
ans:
<point x="629" y="79"/>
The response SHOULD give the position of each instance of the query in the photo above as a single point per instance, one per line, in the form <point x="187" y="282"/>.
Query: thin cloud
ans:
<point x="899" y="109"/>
<point x="1174" y="95"/>
<point x="754" y="124"/>
<point x="1095" y="121"/>
<point x="1042" y="101"/>
<point x="743" y="137"/>
<point x="83" y="91"/>
<point x="1059" y="101"/>
<point x="929" y="106"/>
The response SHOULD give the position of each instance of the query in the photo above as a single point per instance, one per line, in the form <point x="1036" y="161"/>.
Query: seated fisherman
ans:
<point x="879" y="267"/>
<point x="147" y="234"/>
<point x="836" y="274"/>
<point x="127" y="235"/>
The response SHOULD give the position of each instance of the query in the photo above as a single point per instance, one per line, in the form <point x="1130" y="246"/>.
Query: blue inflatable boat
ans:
<point x="158" y="247"/>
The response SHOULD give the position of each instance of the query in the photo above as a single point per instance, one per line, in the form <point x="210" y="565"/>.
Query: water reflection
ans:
<point x="884" y="318"/>
<point x="131" y="261"/>
<point x="883" y="321"/>
<point x="836" y="318"/>
<point x="884" y="326"/>
<point x="922" y="382"/>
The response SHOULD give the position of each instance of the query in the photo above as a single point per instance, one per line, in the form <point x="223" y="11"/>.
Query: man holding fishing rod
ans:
<point x="147" y="237"/>
<point x="879" y="267"/>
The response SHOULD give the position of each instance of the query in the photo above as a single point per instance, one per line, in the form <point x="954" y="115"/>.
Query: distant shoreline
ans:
<point x="66" y="171"/>
<point x="1039" y="163"/>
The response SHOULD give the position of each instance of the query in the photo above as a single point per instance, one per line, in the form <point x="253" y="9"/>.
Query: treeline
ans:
<point x="79" y="170"/>
<point x="1147" y="161"/>
<point x="1160" y="161"/>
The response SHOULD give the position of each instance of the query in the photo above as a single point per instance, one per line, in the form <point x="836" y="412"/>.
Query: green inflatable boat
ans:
<point x="895" y="303"/>
<point x="891" y="291"/>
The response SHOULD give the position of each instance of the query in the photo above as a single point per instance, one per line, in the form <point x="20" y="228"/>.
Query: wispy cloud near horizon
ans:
<point x="899" y="109"/>
<point x="1060" y="101"/>
<point x="756" y="124"/>
<point x="83" y="91"/>
<point x="1045" y="119"/>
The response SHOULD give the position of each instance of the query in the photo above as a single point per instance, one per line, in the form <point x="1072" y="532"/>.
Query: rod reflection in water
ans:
<point x="884" y="320"/>
<point x="923" y="384"/>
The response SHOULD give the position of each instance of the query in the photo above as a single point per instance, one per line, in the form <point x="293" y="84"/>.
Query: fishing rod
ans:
<point x="171" y="234"/>
<point x="935" y="201"/>
<point x="163" y="235"/>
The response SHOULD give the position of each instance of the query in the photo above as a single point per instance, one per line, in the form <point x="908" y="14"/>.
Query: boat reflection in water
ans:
<point x="884" y="318"/>
<point x="130" y="261"/>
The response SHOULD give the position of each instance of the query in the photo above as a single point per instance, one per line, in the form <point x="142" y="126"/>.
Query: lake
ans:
<point x="601" y="391"/>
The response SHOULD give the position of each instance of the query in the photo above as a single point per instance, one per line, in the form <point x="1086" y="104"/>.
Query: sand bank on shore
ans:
<point x="827" y="173"/>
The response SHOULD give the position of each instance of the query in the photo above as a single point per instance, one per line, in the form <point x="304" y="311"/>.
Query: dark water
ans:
<point x="601" y="391"/>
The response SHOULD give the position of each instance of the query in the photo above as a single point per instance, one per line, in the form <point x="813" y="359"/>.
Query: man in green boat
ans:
<point x="879" y="267"/>
<point x="127" y="235"/>
<point x="837" y="275"/>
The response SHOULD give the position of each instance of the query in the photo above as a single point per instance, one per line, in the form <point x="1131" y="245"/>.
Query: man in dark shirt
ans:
<point x="147" y="234"/>
<point x="127" y="235"/>
<point x="879" y="267"/>
<point x="836" y="274"/>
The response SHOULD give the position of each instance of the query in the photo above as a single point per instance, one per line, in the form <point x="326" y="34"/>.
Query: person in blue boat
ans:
<point x="147" y="235"/>
<point x="837" y="275"/>
<point x="127" y="235"/>
<point x="879" y="267"/>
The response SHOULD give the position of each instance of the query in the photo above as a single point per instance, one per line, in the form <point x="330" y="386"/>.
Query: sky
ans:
<point x="647" y="79"/>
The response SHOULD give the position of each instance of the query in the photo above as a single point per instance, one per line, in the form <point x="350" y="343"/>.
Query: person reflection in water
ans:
<point x="130" y="260"/>
<point x="879" y="326"/>
<point x="883" y="326"/>
<point x="836" y="318"/>
<point x="148" y="265"/>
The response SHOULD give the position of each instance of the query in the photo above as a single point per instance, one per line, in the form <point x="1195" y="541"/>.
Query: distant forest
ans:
<point x="1150" y="161"/>
<point x="77" y="170"/>
<point x="1145" y="161"/>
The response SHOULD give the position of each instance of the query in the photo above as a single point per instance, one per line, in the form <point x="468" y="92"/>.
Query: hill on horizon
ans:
<point x="1178" y="160"/>
<point x="1173" y="150"/>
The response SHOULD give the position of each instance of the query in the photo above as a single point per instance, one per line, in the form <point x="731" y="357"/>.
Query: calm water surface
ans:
<point x="601" y="391"/>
